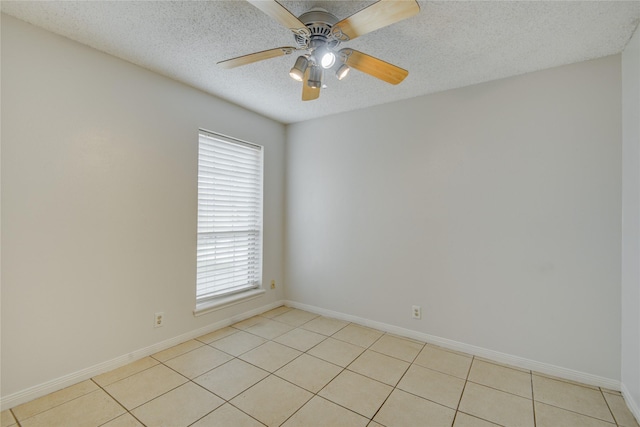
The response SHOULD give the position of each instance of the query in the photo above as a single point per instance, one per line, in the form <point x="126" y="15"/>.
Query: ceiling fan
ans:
<point x="319" y="33"/>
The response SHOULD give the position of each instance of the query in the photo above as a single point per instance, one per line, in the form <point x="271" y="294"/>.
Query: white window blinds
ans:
<point x="229" y="216"/>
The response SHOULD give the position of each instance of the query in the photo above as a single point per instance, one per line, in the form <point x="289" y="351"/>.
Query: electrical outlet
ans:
<point x="158" y="320"/>
<point x="417" y="312"/>
<point x="273" y="284"/>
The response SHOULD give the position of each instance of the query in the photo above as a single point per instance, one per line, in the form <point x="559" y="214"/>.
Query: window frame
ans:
<point x="208" y="303"/>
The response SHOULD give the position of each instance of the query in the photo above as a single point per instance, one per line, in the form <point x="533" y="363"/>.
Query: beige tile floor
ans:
<point x="288" y="367"/>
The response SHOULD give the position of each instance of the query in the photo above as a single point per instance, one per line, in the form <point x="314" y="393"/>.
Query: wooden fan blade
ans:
<point x="373" y="66"/>
<point x="255" y="57"/>
<point x="309" y="93"/>
<point x="281" y="14"/>
<point x="378" y="15"/>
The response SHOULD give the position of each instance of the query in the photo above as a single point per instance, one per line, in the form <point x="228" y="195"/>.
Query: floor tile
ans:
<point x="358" y="335"/>
<point x="620" y="410"/>
<point x="444" y="361"/>
<point x="324" y="325"/>
<point x="564" y="380"/>
<point x="300" y="339"/>
<point x="380" y="367"/>
<point x="465" y="420"/>
<point x="497" y="406"/>
<point x="180" y="407"/>
<point x="259" y="366"/>
<point x="217" y="334"/>
<point x="269" y="329"/>
<point x="54" y="399"/>
<point x="95" y="408"/>
<point x="270" y="356"/>
<point x="247" y="323"/>
<point x="231" y="379"/>
<point x="572" y="397"/>
<point x="309" y="372"/>
<point x="405" y="338"/>
<point x="397" y="347"/>
<point x="319" y="412"/>
<point x="484" y="359"/>
<point x="125" y="420"/>
<point x="295" y="317"/>
<point x="501" y="378"/>
<point x="7" y="419"/>
<point x="404" y="409"/>
<point x="177" y="350"/>
<point x="238" y="343"/>
<point x="550" y="416"/>
<point x="227" y="416"/>
<point x="198" y="361"/>
<point x="337" y="352"/>
<point x="272" y="400"/>
<point x="275" y="312"/>
<point x="125" y="371"/>
<point x="433" y="385"/>
<point x="357" y="393"/>
<point x="139" y="388"/>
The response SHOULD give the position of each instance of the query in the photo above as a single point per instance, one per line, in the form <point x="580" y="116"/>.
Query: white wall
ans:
<point x="495" y="207"/>
<point x="99" y="200"/>
<point x="631" y="224"/>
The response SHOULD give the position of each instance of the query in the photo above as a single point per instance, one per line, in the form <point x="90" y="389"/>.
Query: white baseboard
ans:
<point x="633" y="406"/>
<point x="34" y="392"/>
<point x="39" y="390"/>
<point x="507" y="359"/>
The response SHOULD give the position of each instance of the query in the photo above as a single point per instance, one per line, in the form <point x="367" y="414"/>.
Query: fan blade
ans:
<point x="373" y="66"/>
<point x="309" y="93"/>
<point x="282" y="15"/>
<point x="255" y="57"/>
<point x="378" y="15"/>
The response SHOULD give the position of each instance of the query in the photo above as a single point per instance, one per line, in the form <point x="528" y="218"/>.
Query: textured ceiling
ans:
<point x="449" y="44"/>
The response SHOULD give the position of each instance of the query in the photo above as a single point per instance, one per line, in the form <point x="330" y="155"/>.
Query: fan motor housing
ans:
<point x="319" y="22"/>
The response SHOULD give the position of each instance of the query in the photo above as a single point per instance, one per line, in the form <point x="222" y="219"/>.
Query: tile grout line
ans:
<point x="464" y="386"/>
<point x="296" y="385"/>
<point x="15" y="418"/>
<point x="209" y="391"/>
<point x="491" y="387"/>
<point x="364" y="338"/>
<point x="345" y="369"/>
<point x="370" y="420"/>
<point x="533" y="399"/>
<point x="342" y="370"/>
<point x="240" y="409"/>
<point x="164" y="363"/>
<point x="298" y="410"/>
<point x="127" y="411"/>
<point x="249" y="415"/>
<point x="19" y="422"/>
<point x="284" y="379"/>
<point x="166" y="392"/>
<point x="580" y="413"/>
<point x="119" y="403"/>
<point x="395" y="387"/>
<point x="608" y="407"/>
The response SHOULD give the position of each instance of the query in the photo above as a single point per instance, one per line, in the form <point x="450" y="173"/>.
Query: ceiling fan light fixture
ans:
<point x="315" y="77"/>
<point x="319" y="33"/>
<point x="298" y="69"/>
<point x="342" y="71"/>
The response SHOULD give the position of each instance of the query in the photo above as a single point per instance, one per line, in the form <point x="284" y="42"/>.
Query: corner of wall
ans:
<point x="630" y="268"/>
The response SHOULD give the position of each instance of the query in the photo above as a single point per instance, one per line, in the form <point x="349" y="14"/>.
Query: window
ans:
<point x="229" y="217"/>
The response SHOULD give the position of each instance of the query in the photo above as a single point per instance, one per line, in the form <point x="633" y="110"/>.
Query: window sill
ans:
<point x="220" y="303"/>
